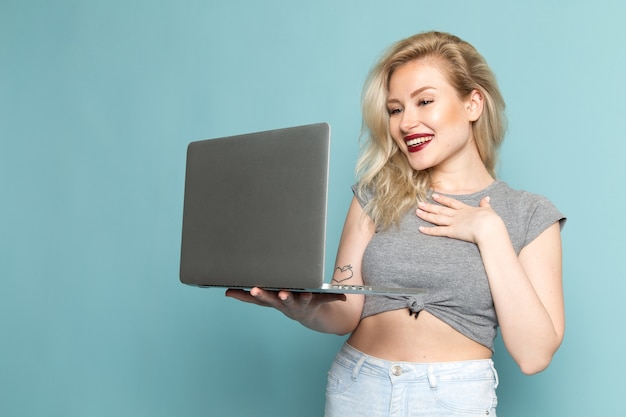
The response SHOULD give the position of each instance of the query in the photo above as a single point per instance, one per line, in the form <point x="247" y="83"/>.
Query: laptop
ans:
<point x="254" y="212"/>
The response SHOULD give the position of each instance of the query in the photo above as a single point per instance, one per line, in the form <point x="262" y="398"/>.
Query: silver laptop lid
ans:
<point x="255" y="209"/>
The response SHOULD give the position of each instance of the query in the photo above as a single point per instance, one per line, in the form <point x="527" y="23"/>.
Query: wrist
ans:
<point x="492" y="231"/>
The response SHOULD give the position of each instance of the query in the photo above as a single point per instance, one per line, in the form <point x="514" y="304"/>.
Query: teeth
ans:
<point x="418" y="141"/>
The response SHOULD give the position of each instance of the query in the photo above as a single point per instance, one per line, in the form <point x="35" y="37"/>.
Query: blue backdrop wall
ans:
<point x="98" y="100"/>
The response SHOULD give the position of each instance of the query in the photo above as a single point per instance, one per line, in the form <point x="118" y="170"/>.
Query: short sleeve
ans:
<point x="363" y="197"/>
<point x="543" y="214"/>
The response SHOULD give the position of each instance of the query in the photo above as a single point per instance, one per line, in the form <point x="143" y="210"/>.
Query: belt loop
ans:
<point x="495" y="374"/>
<point x="357" y="367"/>
<point x="432" y="378"/>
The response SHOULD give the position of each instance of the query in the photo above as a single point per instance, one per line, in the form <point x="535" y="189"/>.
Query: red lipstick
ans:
<point x="417" y="141"/>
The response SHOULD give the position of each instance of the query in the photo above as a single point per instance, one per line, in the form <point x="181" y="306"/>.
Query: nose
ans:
<point x="409" y="119"/>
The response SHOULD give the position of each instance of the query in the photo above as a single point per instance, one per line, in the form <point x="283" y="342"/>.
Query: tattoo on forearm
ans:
<point x="343" y="273"/>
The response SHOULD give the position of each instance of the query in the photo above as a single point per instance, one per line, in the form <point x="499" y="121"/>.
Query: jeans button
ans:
<point x="396" y="370"/>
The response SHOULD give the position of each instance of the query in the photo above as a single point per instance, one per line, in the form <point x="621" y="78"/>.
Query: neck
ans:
<point x="461" y="182"/>
<point x="463" y="173"/>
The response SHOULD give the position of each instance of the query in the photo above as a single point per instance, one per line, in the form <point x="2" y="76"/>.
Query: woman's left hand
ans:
<point x="454" y="219"/>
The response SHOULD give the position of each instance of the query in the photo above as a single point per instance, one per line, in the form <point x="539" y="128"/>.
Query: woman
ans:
<point x="429" y="212"/>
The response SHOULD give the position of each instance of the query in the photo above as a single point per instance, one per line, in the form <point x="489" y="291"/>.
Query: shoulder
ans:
<point x="525" y="213"/>
<point x="520" y="199"/>
<point x="363" y="193"/>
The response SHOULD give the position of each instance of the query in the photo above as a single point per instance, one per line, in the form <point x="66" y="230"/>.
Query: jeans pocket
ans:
<point x="339" y="379"/>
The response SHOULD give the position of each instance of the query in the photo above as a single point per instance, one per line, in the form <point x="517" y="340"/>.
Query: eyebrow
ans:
<point x="419" y="90"/>
<point x="414" y="93"/>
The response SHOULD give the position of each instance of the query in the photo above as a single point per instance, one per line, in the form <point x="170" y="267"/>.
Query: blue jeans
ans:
<point x="361" y="385"/>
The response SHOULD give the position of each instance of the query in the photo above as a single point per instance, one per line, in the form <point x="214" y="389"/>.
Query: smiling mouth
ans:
<point x="414" y="142"/>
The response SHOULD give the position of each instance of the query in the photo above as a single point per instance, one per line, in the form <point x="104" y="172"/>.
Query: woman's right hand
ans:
<point x="325" y="312"/>
<point x="299" y="306"/>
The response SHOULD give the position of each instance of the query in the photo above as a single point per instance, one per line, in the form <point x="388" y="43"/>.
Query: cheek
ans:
<point x="400" y="144"/>
<point x="442" y="117"/>
<point x="397" y="139"/>
<point x="452" y="122"/>
<point x="447" y="111"/>
<point x="394" y="125"/>
<point x="394" y="130"/>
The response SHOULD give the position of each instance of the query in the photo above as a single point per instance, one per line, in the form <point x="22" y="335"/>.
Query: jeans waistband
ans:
<point x="359" y="362"/>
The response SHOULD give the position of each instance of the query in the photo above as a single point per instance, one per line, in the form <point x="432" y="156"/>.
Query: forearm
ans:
<point x="336" y="317"/>
<point x="531" y="332"/>
<point x="343" y="317"/>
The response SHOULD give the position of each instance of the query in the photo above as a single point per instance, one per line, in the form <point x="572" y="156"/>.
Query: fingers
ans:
<point x="245" y="296"/>
<point x="434" y="214"/>
<point x="258" y="296"/>
<point x="268" y="298"/>
<point x="448" y="207"/>
<point x="290" y="298"/>
<point x="282" y="300"/>
<point x="451" y="218"/>
<point x="447" y="201"/>
<point x="306" y="298"/>
<point x="433" y="231"/>
<point x="456" y="204"/>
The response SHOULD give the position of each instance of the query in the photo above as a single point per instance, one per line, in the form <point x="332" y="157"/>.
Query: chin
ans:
<point x="419" y="166"/>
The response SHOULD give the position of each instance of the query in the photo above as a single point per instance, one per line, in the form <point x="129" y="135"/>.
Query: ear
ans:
<point x="474" y="105"/>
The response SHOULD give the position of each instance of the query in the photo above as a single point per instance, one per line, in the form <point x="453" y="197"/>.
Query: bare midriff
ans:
<point x="396" y="336"/>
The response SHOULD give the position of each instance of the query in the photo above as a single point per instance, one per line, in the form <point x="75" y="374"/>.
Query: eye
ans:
<point x="424" y="102"/>
<point x="394" y="110"/>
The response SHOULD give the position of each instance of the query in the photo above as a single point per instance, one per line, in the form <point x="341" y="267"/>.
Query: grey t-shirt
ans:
<point x="450" y="270"/>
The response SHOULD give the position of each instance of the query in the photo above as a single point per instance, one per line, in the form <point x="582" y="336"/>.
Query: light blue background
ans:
<point x="98" y="100"/>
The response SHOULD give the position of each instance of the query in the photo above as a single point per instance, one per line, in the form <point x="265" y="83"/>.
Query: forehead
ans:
<point x="418" y="74"/>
